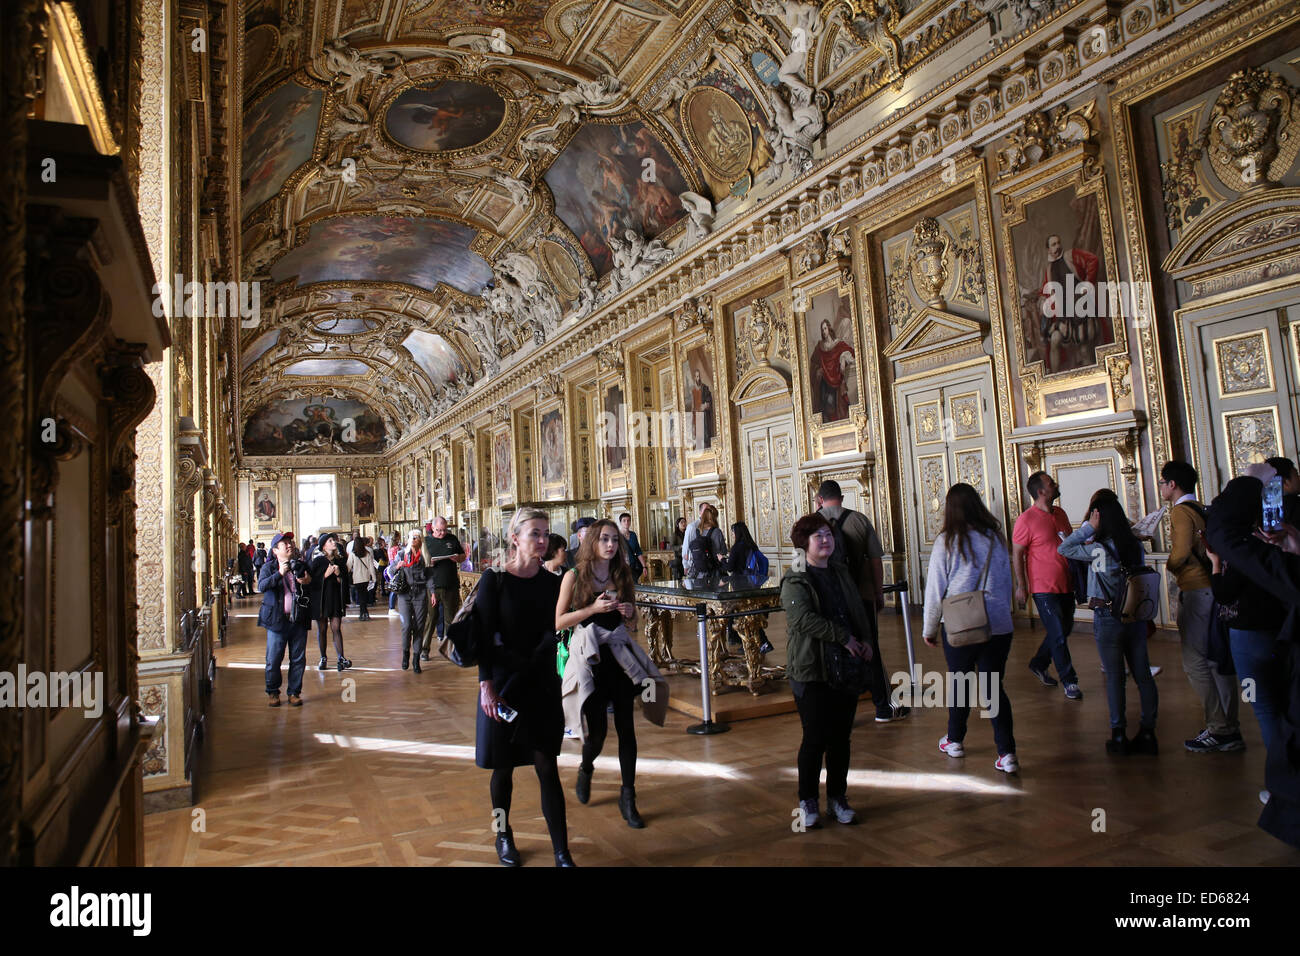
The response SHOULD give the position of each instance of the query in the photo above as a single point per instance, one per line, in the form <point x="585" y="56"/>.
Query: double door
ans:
<point x="949" y="434"/>
<point x="771" y="486"/>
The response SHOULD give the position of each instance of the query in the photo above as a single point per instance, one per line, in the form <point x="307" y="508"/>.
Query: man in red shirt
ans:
<point x="1040" y="570"/>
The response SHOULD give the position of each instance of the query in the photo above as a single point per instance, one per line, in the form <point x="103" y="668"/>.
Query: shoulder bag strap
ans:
<point x="988" y="560"/>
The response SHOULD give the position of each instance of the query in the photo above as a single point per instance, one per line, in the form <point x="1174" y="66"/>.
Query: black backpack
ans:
<point x="843" y="554"/>
<point x="703" y="558"/>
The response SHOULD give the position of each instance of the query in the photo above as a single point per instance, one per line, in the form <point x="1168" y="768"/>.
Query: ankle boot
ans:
<point x="506" y="851"/>
<point x="1144" y="742"/>
<point x="1117" y="744"/>
<point x="406" y="659"/>
<point x="562" y="858"/>
<point x="584" y="782"/>
<point x="627" y="807"/>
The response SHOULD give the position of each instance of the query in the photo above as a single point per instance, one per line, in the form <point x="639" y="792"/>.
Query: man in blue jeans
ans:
<point x="286" y="626"/>
<point x="1040" y="570"/>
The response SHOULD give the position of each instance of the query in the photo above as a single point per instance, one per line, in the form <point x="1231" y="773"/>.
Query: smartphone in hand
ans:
<point x="1273" y="504"/>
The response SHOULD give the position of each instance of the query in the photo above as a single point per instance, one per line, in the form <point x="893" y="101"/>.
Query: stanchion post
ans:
<point x="706" y="693"/>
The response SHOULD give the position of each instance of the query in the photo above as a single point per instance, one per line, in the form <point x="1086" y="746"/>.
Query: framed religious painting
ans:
<point x="611" y="435"/>
<point x="827" y="328"/>
<point x="363" y="499"/>
<point x="503" y="466"/>
<point x="470" y="460"/>
<point x="266" y="506"/>
<point x="554" y="452"/>
<point x="700" y="441"/>
<point x="1068" y="306"/>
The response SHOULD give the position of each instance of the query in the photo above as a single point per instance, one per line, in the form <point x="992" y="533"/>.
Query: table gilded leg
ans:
<point x="749" y="629"/>
<point x="717" y="653"/>
<point x="659" y="637"/>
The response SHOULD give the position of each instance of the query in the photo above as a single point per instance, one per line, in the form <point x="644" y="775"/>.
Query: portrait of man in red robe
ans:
<point x="830" y="365"/>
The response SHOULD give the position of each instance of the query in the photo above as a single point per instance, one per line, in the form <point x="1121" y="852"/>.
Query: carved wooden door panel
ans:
<point x="949" y="434"/>
<point x="1244" y="379"/>
<point x="771" y="486"/>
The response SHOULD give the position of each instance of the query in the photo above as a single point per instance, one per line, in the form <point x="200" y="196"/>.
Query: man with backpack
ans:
<point x="1190" y="565"/>
<point x="858" y="547"/>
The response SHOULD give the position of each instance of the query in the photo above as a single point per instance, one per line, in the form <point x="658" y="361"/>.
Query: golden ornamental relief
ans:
<point x="928" y="427"/>
<point x="1252" y="437"/>
<point x="929" y="261"/>
<point x="718" y="131"/>
<point x="966" y="419"/>
<point x="1243" y="363"/>
<point x="933" y="477"/>
<point x="970" y="469"/>
<point x="1253" y="134"/>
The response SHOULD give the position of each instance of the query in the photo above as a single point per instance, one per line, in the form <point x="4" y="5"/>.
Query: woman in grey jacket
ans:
<point x="969" y="550"/>
<point x="1107" y="543"/>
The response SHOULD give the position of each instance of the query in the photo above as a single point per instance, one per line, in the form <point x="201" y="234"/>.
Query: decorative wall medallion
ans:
<point x="718" y="131"/>
<point x="1253" y="134"/>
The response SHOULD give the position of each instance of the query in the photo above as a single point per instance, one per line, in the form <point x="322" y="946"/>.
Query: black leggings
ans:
<point x="598" y="727"/>
<point x="335" y="627"/>
<point x="502" y="788"/>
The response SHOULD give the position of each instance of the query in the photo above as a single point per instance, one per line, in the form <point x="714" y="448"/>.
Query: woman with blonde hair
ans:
<point x="520" y="720"/>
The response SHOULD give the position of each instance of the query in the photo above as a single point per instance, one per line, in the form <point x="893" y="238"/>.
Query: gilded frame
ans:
<point x="556" y="490"/>
<point x="837" y="277"/>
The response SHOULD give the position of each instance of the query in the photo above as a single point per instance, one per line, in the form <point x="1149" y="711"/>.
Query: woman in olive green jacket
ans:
<point x="822" y="606"/>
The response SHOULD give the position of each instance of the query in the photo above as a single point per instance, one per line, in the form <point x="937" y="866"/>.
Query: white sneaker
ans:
<point x="951" y="748"/>
<point x="1007" y="763"/>
<point x="1264" y="796"/>
<point x="1155" y="670"/>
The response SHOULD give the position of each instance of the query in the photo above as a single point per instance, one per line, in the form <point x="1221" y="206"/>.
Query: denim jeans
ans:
<point x="1252" y="653"/>
<point x="1057" y="614"/>
<point x="295" y="640"/>
<point x="989" y="658"/>
<point x="1117" y="643"/>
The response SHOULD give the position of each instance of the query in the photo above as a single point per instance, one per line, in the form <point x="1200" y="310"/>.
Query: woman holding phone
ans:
<point x="520" y="720"/>
<point x="601" y="590"/>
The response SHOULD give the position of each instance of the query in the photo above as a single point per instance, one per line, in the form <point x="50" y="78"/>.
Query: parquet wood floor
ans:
<point x="389" y="779"/>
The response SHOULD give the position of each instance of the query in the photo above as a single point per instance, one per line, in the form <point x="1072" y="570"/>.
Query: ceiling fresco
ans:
<point x="433" y="187"/>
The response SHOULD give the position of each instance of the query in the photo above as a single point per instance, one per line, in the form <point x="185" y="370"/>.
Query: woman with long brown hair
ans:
<point x="970" y="554"/>
<point x="600" y="590"/>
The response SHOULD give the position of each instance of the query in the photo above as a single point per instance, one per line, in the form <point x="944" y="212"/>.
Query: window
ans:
<point x="316" y="504"/>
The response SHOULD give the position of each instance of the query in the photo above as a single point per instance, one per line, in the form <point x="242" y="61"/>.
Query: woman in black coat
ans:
<point x="330" y="587"/>
<point x="520" y="719"/>
<point x="1233" y="537"/>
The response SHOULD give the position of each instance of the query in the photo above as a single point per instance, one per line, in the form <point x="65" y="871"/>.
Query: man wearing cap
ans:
<point x="857" y="546"/>
<point x="285" y="623"/>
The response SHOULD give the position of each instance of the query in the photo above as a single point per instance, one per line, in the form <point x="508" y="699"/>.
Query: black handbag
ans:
<point x="460" y="643"/>
<point x="845" y="671"/>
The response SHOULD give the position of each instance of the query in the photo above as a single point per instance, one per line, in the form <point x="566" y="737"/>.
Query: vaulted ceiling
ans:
<point x="416" y="172"/>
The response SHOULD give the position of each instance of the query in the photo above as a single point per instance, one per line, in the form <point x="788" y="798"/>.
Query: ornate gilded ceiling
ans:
<point x="430" y="188"/>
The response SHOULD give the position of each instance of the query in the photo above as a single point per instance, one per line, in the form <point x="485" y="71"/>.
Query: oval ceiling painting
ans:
<point x="314" y="426"/>
<point x="445" y="115"/>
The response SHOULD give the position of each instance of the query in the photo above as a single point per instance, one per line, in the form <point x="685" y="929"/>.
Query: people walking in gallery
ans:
<point x="245" y="563"/>
<point x="606" y="665"/>
<point x="745" y="558"/>
<point x="380" y="555"/>
<point x="705" y="548"/>
<point x="826" y="628"/>
<point x="679" y="539"/>
<point x="411" y="584"/>
<point x="1040" y="569"/>
<point x="329" y="592"/>
<point x="1192" y="567"/>
<point x="634" y="551"/>
<point x="1252" y="612"/>
<point x="1118" y="643"/>
<point x="394" y="555"/>
<point x="556" y="554"/>
<point x="857" y="546"/>
<point x="259" y="559"/>
<point x="443" y="552"/>
<point x="364" y="575"/>
<point x="520" y="718"/>
<point x="284" y="618"/>
<point x="970" y="554"/>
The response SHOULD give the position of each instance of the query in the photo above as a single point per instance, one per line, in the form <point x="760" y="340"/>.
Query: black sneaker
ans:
<point x="323" y="664"/>
<point x="892" y="713"/>
<point x="1206" y="742"/>
<point x="1041" y="673"/>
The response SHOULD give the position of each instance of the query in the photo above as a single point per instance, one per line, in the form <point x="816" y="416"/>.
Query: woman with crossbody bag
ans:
<point x="969" y="586"/>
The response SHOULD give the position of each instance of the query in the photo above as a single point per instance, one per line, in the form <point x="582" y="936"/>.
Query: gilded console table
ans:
<point x="745" y="599"/>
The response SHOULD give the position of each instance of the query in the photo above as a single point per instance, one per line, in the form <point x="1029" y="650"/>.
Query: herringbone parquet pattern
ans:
<point x="389" y="779"/>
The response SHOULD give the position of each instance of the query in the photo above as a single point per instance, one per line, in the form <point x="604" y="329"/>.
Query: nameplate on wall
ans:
<point x="1082" y="398"/>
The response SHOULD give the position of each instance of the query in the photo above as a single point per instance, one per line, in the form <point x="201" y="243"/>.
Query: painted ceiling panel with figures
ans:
<point x="430" y="187"/>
